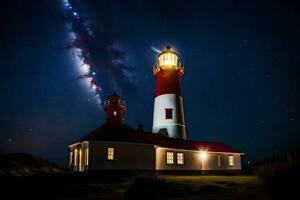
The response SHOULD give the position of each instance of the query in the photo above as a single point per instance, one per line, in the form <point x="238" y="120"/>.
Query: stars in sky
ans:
<point x="241" y="77"/>
<point x="88" y="74"/>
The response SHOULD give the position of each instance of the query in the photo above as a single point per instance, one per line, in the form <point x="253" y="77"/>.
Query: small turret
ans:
<point x="115" y="108"/>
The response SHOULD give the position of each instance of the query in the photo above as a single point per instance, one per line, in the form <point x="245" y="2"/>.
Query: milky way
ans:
<point x="102" y="63"/>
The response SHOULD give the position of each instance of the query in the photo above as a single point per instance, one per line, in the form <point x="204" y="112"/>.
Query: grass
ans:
<point x="213" y="179"/>
<point x="74" y="186"/>
<point x="221" y="183"/>
<point x="195" y="187"/>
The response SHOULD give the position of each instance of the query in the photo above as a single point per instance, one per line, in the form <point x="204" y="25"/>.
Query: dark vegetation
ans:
<point x="21" y="164"/>
<point x="279" y="176"/>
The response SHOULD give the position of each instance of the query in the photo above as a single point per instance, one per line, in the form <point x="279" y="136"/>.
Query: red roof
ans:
<point x="124" y="133"/>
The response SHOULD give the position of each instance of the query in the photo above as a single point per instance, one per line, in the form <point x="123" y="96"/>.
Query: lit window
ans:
<point x="180" y="158"/>
<point x="75" y="157"/>
<point x="219" y="160"/>
<point x="115" y="113"/>
<point x="71" y="158"/>
<point x="170" y="157"/>
<point x="110" y="153"/>
<point x="86" y="156"/>
<point x="169" y="113"/>
<point x="231" y="160"/>
<point x="80" y="160"/>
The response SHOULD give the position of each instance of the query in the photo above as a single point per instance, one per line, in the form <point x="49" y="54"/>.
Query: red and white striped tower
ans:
<point x="168" y="116"/>
<point x="115" y="108"/>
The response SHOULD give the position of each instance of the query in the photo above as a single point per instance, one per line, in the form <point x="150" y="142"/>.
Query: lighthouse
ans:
<point x="114" y="107"/>
<point x="168" y="115"/>
<point x="115" y="147"/>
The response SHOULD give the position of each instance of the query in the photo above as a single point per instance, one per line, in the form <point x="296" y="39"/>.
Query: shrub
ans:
<point x="279" y="177"/>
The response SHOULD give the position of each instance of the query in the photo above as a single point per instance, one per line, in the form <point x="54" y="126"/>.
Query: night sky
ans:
<point x="240" y="87"/>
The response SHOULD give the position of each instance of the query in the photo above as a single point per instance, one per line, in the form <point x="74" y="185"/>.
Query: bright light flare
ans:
<point x="203" y="155"/>
<point x="155" y="49"/>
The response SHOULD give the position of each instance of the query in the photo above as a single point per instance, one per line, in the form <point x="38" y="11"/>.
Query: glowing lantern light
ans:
<point x="168" y="59"/>
<point x="203" y="155"/>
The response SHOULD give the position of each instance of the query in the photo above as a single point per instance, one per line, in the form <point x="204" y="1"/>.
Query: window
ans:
<point x="170" y="158"/>
<point x="115" y="113"/>
<point x="231" y="160"/>
<point x="219" y="160"/>
<point x="71" y="158"/>
<point x="86" y="156"/>
<point x="169" y="113"/>
<point x="110" y="153"/>
<point x="75" y="157"/>
<point x="180" y="158"/>
<point x="80" y="160"/>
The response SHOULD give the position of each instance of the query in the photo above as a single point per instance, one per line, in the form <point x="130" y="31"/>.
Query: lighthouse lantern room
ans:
<point x="168" y="116"/>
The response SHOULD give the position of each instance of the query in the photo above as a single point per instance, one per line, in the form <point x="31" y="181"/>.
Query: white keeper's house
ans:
<point x="116" y="146"/>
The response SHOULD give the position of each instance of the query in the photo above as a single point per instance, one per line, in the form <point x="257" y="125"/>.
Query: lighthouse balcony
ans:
<point x="178" y="67"/>
<point x="114" y="103"/>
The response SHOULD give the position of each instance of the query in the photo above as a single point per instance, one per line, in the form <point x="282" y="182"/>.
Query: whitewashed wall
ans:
<point x="193" y="161"/>
<point x="128" y="156"/>
<point x="136" y="156"/>
<point x="175" y="126"/>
